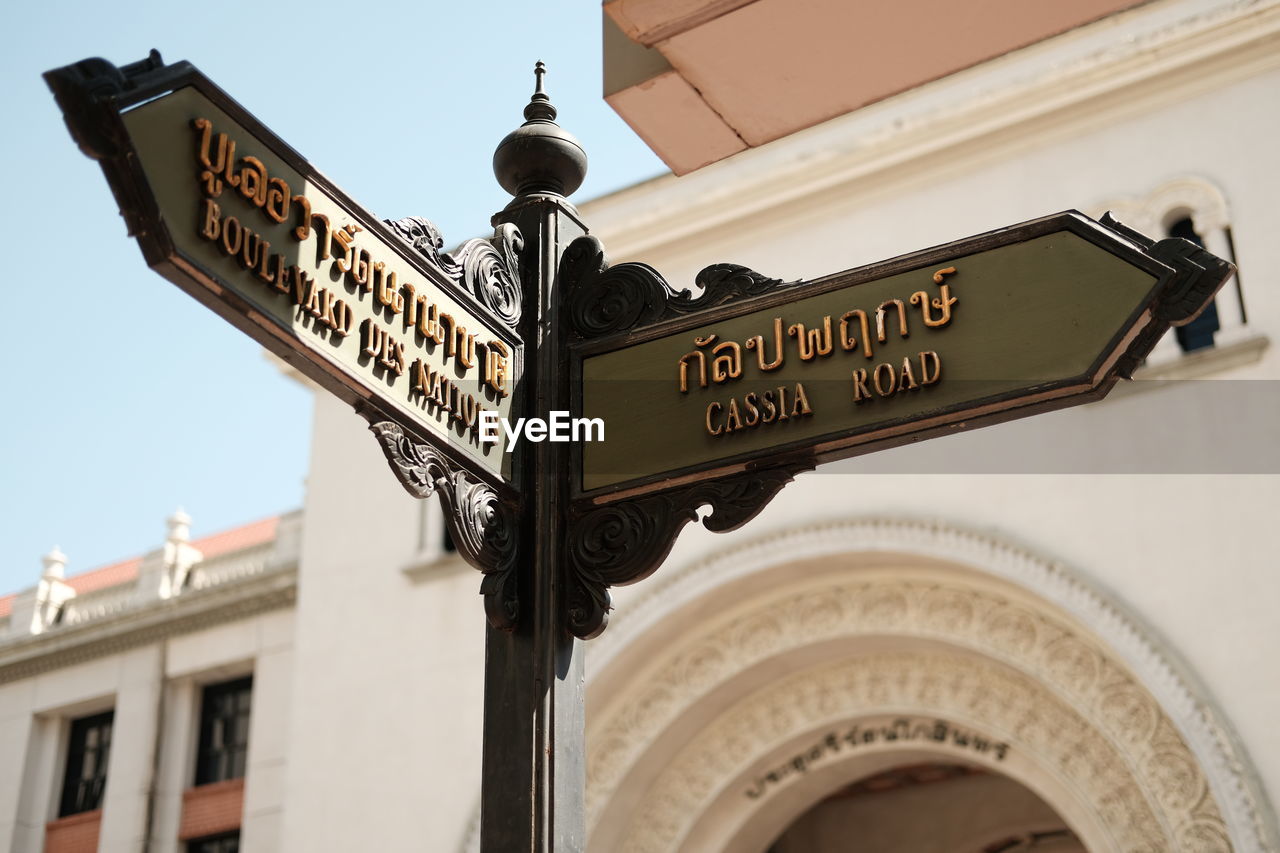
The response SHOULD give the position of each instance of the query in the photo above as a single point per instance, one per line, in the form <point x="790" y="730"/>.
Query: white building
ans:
<point x="1054" y="634"/>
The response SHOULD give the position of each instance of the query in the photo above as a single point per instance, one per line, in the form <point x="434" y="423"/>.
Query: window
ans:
<point x="224" y="732"/>
<point x="86" y="775"/>
<point x="226" y="843"/>
<point x="1198" y="334"/>
<point x="1194" y="209"/>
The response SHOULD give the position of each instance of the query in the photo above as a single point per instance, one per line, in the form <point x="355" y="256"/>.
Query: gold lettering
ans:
<point x="813" y="342"/>
<point x="712" y="408"/>
<point x="232" y="246"/>
<point x="212" y="226"/>
<point x="360" y="269"/>
<point x="434" y="323"/>
<point x="303" y="231"/>
<point x="466" y="351"/>
<point x="470" y="411"/>
<point x="313" y="300"/>
<point x="782" y="403"/>
<point x="253" y="181"/>
<point x="387" y="290"/>
<point x="884" y="389"/>
<point x="226" y="158"/>
<point x="421" y="379"/>
<point x="345" y="237"/>
<point x="733" y="421"/>
<point x="278" y="199"/>
<point x="370" y="338"/>
<point x="801" y="406"/>
<point x="283" y="275"/>
<point x="702" y="363"/>
<point x="326" y="313"/>
<point x="303" y="285"/>
<point x="769" y="407"/>
<point x="880" y="318"/>
<point x="346" y="317"/>
<point x="410" y="305"/>
<point x="395" y="356"/>
<point x="210" y="175"/>
<point x="448" y="339"/>
<point x="752" y="416"/>
<point x="495" y="367"/>
<point x="927" y="359"/>
<point x="264" y="260"/>
<point x="252" y="245"/>
<point x="756" y="342"/>
<point x="907" y="379"/>
<point x="860" y="390"/>
<point x="323" y="243"/>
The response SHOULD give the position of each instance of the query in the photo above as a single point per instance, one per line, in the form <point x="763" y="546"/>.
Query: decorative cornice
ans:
<point x="149" y="622"/>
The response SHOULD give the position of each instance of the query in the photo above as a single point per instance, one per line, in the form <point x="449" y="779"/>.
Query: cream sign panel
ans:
<point x="243" y="221"/>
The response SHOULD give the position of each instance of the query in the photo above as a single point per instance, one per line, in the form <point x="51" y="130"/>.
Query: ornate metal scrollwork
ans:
<point x="1198" y="276"/>
<point x="624" y="542"/>
<point x="483" y="528"/>
<point x="602" y="299"/>
<point x="487" y="269"/>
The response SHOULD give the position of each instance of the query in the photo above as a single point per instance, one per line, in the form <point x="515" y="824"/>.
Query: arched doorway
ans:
<point x="735" y="696"/>
<point x="930" y="808"/>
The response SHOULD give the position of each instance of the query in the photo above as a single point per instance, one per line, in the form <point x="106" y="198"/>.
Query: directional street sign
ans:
<point x="716" y="399"/>
<point x="370" y="310"/>
<point x="755" y="378"/>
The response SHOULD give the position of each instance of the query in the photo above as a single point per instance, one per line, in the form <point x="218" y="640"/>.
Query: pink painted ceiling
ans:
<point x="725" y="75"/>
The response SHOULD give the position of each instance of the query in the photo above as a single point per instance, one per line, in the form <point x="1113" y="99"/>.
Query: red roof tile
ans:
<point x="226" y="542"/>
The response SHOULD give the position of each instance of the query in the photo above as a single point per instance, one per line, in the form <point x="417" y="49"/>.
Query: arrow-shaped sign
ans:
<point x="720" y="398"/>
<point x="373" y="311"/>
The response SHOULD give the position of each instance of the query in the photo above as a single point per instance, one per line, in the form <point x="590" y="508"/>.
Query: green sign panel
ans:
<point x="989" y="328"/>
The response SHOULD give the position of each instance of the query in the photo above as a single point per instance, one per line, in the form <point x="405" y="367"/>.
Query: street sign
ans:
<point x="711" y="400"/>
<point x="721" y="398"/>
<point x="373" y="311"/>
<point x="1026" y="319"/>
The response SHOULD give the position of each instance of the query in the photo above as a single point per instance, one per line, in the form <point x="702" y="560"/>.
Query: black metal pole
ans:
<point x="533" y="769"/>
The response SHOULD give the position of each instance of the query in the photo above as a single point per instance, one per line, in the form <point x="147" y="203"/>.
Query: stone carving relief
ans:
<point x="1035" y="722"/>
<point x="1066" y="695"/>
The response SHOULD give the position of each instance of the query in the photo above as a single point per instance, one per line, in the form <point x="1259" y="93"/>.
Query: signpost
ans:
<point x="716" y="399"/>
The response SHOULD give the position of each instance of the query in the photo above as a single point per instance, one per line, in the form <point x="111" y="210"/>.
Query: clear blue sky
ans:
<point x="125" y="397"/>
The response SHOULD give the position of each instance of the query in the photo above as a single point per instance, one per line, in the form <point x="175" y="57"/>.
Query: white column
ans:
<point x="264" y="792"/>
<point x="177" y="749"/>
<point x="21" y="826"/>
<point x="130" y="765"/>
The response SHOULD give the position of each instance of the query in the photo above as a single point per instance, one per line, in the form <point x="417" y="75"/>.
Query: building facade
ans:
<point x="1052" y="634"/>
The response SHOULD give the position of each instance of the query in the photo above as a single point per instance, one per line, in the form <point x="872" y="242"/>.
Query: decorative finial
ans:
<point x="540" y="156"/>
<point x="179" y="525"/>
<point x="55" y="563"/>
<point x="540" y="107"/>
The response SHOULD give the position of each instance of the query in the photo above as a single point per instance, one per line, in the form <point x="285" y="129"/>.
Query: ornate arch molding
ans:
<point x="719" y="793"/>
<point x="1186" y="196"/>
<point x="1089" y="666"/>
